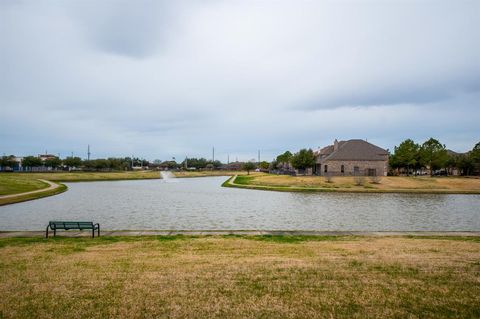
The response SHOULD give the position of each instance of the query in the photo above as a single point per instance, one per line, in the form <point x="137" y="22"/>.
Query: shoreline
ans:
<point x="53" y="189"/>
<point x="231" y="183"/>
<point x="249" y="233"/>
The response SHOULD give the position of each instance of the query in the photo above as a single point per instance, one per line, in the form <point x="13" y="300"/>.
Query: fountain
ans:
<point x="166" y="175"/>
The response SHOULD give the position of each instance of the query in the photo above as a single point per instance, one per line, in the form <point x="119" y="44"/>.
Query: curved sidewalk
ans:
<point x="50" y="187"/>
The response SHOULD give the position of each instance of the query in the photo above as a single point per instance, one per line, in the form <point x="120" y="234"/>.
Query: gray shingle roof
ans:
<point x="356" y="150"/>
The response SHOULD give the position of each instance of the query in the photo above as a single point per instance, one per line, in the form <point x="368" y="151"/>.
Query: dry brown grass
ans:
<point x="387" y="183"/>
<point x="272" y="277"/>
<point x="88" y="176"/>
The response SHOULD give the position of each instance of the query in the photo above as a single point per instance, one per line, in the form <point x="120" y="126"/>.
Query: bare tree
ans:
<point x="375" y="179"/>
<point x="328" y="177"/>
<point x="359" y="180"/>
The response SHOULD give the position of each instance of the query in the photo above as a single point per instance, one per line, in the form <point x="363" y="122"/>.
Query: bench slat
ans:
<point x="71" y="225"/>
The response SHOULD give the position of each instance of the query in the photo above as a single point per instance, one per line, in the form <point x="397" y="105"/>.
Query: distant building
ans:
<point x="45" y="157"/>
<point x="232" y="166"/>
<point x="352" y="157"/>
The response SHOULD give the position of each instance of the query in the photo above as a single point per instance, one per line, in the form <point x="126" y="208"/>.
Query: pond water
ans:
<point x="202" y="204"/>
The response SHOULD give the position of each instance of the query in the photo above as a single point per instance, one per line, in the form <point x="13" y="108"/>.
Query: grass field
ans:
<point x="86" y="176"/>
<point x="13" y="184"/>
<point x="232" y="277"/>
<point x="398" y="184"/>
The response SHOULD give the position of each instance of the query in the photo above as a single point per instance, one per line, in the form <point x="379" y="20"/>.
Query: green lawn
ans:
<point x="11" y="183"/>
<point x="240" y="276"/>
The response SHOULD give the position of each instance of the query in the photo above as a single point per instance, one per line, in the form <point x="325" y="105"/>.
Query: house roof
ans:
<point x="327" y="150"/>
<point x="354" y="150"/>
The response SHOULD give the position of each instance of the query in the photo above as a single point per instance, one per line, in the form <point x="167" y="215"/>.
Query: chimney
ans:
<point x="335" y="145"/>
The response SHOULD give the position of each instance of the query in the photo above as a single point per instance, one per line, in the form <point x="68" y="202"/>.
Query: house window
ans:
<point x="325" y="168"/>
<point x="342" y="168"/>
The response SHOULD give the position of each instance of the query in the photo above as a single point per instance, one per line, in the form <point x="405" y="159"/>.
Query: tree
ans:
<point x="248" y="166"/>
<point x="303" y="159"/>
<point x="170" y="164"/>
<point x="264" y="165"/>
<point x="273" y="165"/>
<point x="7" y="161"/>
<point x="284" y="158"/>
<point x="474" y="157"/>
<point x="475" y="153"/>
<point x="217" y="164"/>
<point x="31" y="161"/>
<point x="72" y="162"/>
<point x="52" y="162"/>
<point x="465" y="164"/>
<point x="433" y="155"/>
<point x="120" y="164"/>
<point x="406" y="155"/>
<point x="195" y="162"/>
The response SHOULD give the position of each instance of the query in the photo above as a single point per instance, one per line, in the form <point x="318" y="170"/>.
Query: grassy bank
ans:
<point x="232" y="276"/>
<point x="13" y="184"/>
<point x="388" y="184"/>
<point x="17" y="183"/>
<point x="85" y="176"/>
<point x="23" y="198"/>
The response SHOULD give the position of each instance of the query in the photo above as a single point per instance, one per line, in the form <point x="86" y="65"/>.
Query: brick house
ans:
<point x="352" y="157"/>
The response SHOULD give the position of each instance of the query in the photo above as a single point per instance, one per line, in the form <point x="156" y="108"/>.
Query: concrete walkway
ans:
<point x="50" y="187"/>
<point x="88" y="233"/>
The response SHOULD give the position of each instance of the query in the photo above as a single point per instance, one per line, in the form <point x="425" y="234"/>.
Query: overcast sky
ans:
<point x="172" y="79"/>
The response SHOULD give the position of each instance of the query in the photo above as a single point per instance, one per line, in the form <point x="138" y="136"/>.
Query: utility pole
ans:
<point x="258" y="156"/>
<point x="228" y="159"/>
<point x="213" y="154"/>
<point x="72" y="154"/>
<point x="88" y="152"/>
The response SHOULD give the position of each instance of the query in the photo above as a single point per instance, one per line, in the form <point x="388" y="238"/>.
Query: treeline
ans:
<point x="410" y="158"/>
<point x="302" y="160"/>
<point x="29" y="162"/>
<point x="200" y="163"/>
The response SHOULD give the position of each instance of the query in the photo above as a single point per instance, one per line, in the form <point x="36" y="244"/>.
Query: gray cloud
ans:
<point x="162" y="79"/>
<point x="131" y="28"/>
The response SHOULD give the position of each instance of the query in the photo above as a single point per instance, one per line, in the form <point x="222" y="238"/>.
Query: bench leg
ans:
<point x="93" y="233"/>
<point x="46" y="232"/>
<point x="54" y="232"/>
<point x="98" y="231"/>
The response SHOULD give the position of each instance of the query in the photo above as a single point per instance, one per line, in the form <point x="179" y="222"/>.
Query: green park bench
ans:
<point x="61" y="225"/>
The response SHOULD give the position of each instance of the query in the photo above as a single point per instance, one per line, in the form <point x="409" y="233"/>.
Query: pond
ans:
<point x="202" y="204"/>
